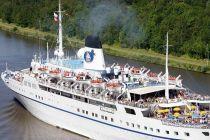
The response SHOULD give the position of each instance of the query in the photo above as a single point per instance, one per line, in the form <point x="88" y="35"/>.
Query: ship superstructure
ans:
<point x="86" y="96"/>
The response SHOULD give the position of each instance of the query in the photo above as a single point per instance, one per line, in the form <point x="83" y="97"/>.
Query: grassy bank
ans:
<point x="136" y="54"/>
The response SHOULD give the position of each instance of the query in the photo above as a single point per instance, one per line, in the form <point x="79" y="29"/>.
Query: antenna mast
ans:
<point x="60" y="52"/>
<point x="6" y="67"/>
<point x="207" y="55"/>
<point x="166" y="82"/>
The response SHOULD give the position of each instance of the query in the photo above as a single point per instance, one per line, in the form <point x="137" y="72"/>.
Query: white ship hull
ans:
<point x="74" y="122"/>
<point x="108" y="111"/>
<point x="65" y="116"/>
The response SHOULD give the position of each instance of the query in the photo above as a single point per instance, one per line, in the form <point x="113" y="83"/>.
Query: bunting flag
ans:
<point x="55" y="17"/>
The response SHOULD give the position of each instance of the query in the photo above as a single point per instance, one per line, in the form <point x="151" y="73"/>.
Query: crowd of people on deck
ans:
<point x="178" y="116"/>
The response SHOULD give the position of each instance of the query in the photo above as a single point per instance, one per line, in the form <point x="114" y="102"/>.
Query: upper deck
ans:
<point x="145" y="93"/>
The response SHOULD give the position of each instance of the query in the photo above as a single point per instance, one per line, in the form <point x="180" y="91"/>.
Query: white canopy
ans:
<point x="150" y="89"/>
<point x="164" y="105"/>
<point x="199" y="101"/>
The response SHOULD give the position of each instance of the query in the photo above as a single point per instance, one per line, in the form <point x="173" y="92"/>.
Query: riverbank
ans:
<point x="136" y="54"/>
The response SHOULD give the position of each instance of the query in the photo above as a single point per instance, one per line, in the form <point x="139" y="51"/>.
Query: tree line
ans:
<point x="125" y="23"/>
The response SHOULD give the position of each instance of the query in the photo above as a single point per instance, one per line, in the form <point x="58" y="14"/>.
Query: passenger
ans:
<point x="31" y="69"/>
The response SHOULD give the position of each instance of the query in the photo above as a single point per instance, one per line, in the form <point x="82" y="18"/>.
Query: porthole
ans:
<point x="96" y="115"/>
<point x="187" y="134"/>
<point x="176" y="133"/>
<point x="127" y="123"/>
<point x="145" y="127"/>
<point x="112" y="120"/>
<point x="132" y="124"/>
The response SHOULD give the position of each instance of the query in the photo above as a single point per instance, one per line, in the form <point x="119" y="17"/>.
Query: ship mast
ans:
<point x="47" y="53"/>
<point x="167" y="82"/>
<point x="60" y="52"/>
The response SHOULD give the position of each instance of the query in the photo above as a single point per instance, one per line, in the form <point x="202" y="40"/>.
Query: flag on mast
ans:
<point x="55" y="17"/>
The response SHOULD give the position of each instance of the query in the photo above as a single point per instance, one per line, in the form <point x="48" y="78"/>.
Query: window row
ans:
<point x="157" y="130"/>
<point x="39" y="97"/>
<point x="76" y="97"/>
<point x="30" y="84"/>
<point x="103" y="117"/>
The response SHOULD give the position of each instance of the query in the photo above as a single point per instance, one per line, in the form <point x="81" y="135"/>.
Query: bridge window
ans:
<point x="66" y="94"/>
<point x="130" y="111"/>
<point x="79" y="98"/>
<point x="206" y="133"/>
<point x="43" y="87"/>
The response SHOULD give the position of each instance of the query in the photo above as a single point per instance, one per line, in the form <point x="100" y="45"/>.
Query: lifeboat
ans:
<point x="67" y="74"/>
<point x="81" y="74"/>
<point x="172" y="78"/>
<point x="135" y="71"/>
<point x="97" y="81"/>
<point x="42" y="68"/>
<point x="152" y="74"/>
<point x="112" y="85"/>
<point x="56" y="71"/>
<point x="79" y="78"/>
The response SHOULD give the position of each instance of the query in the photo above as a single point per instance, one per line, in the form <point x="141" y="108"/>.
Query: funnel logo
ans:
<point x="89" y="55"/>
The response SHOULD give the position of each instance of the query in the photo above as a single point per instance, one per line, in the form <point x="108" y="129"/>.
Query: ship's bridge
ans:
<point x="68" y="63"/>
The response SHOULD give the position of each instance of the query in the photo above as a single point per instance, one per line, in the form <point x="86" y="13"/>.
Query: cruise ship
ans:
<point x="116" y="102"/>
